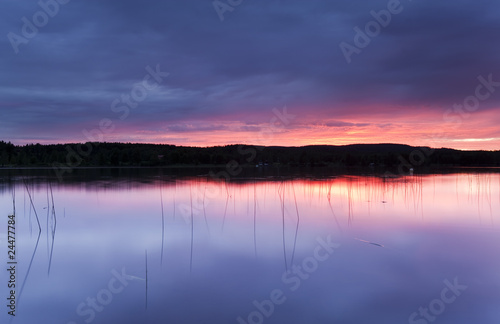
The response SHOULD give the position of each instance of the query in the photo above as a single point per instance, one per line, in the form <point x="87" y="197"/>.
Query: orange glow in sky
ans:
<point x="477" y="132"/>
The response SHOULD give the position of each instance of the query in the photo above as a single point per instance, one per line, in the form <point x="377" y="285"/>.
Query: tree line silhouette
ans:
<point x="133" y="154"/>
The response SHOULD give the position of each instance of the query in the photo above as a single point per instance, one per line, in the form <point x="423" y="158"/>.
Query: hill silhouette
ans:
<point x="94" y="154"/>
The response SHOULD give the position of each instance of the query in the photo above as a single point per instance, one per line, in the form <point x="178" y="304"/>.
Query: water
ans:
<point x="304" y="248"/>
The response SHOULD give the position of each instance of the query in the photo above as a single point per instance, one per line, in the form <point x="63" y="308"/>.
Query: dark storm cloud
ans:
<point x="431" y="53"/>
<point x="265" y="54"/>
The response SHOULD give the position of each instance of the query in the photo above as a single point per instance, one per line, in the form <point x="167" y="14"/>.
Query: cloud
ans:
<point x="345" y="124"/>
<point x="265" y="54"/>
<point x="182" y="128"/>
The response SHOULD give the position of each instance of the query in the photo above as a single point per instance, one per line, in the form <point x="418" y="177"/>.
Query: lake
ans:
<point x="175" y="246"/>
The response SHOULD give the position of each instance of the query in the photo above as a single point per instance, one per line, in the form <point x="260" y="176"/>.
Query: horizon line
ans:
<point x="254" y="145"/>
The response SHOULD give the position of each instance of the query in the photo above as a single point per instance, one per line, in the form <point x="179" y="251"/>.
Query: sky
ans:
<point x="259" y="72"/>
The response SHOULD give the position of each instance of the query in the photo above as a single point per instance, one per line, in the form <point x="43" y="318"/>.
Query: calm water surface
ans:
<point x="150" y="247"/>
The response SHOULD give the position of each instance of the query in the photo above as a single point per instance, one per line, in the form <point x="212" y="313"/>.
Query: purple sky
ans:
<point x="225" y="77"/>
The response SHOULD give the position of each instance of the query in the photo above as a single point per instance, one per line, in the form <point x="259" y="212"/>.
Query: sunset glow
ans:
<point x="186" y="74"/>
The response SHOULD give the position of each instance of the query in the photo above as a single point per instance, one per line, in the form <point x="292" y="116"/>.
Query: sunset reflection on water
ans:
<point x="398" y="240"/>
